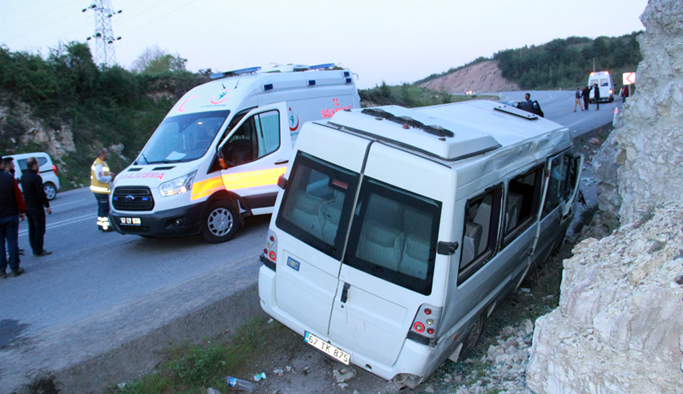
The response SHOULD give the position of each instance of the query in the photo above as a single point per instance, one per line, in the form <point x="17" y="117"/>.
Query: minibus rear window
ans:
<point x="316" y="205"/>
<point x="393" y="236"/>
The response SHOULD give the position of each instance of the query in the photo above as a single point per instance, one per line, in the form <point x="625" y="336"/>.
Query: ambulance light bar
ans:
<point x="322" y="66"/>
<point x="233" y="73"/>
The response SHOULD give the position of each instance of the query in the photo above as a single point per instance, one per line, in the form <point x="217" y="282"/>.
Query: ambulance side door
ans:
<point x="255" y="154"/>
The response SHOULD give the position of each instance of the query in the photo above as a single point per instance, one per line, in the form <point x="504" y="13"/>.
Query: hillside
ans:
<point x="478" y="77"/>
<point x="558" y="64"/>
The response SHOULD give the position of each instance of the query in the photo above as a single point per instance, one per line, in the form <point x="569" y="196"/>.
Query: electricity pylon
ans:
<point x="105" y="53"/>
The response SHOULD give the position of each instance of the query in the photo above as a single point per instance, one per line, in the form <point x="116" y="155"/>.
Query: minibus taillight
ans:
<point x="269" y="256"/>
<point x="425" y="324"/>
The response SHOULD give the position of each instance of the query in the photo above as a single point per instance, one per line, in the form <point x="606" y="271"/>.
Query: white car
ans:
<point x="47" y="170"/>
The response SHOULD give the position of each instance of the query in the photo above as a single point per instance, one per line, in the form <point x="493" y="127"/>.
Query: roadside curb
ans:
<point x="90" y="356"/>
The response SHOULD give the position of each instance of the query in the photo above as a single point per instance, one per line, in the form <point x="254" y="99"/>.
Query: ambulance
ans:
<point x="217" y="155"/>
<point x="604" y="81"/>
<point x="398" y="231"/>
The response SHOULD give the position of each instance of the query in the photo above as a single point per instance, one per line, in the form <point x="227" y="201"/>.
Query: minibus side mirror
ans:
<point x="282" y="182"/>
<point x="446" y="248"/>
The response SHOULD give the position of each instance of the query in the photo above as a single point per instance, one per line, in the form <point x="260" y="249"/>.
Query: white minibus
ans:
<point x="217" y="155"/>
<point x="604" y="81"/>
<point x="398" y="231"/>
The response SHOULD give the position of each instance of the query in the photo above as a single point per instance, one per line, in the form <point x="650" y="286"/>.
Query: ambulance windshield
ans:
<point x="183" y="138"/>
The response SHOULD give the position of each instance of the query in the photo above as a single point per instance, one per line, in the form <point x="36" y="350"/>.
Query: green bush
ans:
<point x="103" y="106"/>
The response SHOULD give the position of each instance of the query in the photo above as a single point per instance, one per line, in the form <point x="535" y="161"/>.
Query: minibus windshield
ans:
<point x="183" y="138"/>
<point x="317" y="202"/>
<point x="393" y="231"/>
<point x="394" y="235"/>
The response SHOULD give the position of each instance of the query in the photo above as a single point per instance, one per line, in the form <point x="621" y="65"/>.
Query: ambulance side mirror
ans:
<point x="282" y="182"/>
<point x="447" y="248"/>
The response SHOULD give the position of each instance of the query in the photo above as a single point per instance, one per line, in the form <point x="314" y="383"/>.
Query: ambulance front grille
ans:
<point x="133" y="198"/>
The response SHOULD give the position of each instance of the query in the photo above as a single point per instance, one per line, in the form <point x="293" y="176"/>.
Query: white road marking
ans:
<point x="65" y="222"/>
<point x="68" y="203"/>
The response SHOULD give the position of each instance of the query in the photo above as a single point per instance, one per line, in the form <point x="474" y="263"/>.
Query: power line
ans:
<point x="38" y="15"/>
<point x="22" y="6"/>
<point x="162" y="16"/>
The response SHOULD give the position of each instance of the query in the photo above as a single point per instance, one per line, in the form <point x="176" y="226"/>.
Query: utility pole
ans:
<point x="104" y="34"/>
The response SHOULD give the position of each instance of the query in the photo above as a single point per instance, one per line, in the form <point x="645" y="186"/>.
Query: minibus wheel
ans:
<point x="221" y="222"/>
<point x="473" y="336"/>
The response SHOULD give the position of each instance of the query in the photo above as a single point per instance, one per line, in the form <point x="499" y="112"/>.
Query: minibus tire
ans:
<point x="221" y="214"/>
<point x="473" y="335"/>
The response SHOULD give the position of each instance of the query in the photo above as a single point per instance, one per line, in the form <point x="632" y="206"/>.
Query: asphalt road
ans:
<point x="95" y="282"/>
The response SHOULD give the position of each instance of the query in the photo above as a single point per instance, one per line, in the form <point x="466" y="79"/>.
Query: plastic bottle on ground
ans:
<point x="239" y="384"/>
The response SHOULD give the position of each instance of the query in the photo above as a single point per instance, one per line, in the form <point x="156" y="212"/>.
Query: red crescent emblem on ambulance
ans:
<point x="180" y="109"/>
<point x="221" y="97"/>
<point x="291" y="120"/>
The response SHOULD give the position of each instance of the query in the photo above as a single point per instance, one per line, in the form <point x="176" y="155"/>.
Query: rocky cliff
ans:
<point x="618" y="328"/>
<point x="642" y="163"/>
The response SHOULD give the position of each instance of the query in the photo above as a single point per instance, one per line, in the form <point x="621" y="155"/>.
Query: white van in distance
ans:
<point x="217" y="155"/>
<point x="399" y="230"/>
<point x="604" y="81"/>
<point x="47" y="171"/>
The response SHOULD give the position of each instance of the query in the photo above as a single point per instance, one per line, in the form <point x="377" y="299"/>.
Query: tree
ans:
<point x="154" y="60"/>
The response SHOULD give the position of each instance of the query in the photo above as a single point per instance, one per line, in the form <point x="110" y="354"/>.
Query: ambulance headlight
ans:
<point x="178" y="185"/>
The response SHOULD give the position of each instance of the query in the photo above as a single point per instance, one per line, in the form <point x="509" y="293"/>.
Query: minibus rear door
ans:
<point x="389" y="262"/>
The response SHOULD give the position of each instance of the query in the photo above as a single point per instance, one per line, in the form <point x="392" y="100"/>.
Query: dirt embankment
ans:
<point x="480" y="77"/>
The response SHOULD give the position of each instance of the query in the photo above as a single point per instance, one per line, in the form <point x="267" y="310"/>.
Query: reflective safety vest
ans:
<point x="95" y="185"/>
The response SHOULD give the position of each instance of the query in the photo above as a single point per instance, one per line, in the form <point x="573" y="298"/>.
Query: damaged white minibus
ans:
<point x="399" y="230"/>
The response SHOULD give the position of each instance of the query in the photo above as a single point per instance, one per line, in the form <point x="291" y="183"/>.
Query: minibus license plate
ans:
<point x="325" y="347"/>
<point x="131" y="222"/>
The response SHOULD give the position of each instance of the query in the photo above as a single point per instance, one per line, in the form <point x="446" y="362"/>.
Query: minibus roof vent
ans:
<point x="516" y="111"/>
<point x="434" y="130"/>
<point x="233" y="73"/>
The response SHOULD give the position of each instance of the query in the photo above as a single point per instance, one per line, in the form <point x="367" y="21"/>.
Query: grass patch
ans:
<point x="192" y="368"/>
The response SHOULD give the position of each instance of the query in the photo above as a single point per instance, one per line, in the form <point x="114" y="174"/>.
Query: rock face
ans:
<point x="648" y="147"/>
<point x="618" y="328"/>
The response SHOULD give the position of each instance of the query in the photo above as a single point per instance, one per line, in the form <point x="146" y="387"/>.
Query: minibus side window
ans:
<point x="555" y="185"/>
<point x="394" y="235"/>
<point x="317" y="203"/>
<point x="482" y="217"/>
<point x="523" y="199"/>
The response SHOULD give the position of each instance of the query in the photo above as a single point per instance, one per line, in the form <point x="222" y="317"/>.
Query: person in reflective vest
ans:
<point x="100" y="178"/>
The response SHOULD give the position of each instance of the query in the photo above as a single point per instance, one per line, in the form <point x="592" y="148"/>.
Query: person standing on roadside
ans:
<point x="577" y="99"/>
<point x="586" y="94"/>
<point x="7" y="164"/>
<point x="597" y="96"/>
<point x="100" y="178"/>
<point x="527" y="104"/>
<point x="12" y="208"/>
<point x="36" y="206"/>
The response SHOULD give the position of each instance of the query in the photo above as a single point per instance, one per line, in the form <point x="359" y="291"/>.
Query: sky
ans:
<point x="393" y="41"/>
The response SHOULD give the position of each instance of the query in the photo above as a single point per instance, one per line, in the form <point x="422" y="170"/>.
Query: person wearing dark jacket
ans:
<point x="12" y="207"/>
<point x="586" y="94"/>
<point x="597" y="96"/>
<point x="36" y="206"/>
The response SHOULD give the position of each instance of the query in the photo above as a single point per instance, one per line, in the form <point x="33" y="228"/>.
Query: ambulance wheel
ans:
<point x="473" y="336"/>
<point x="221" y="222"/>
